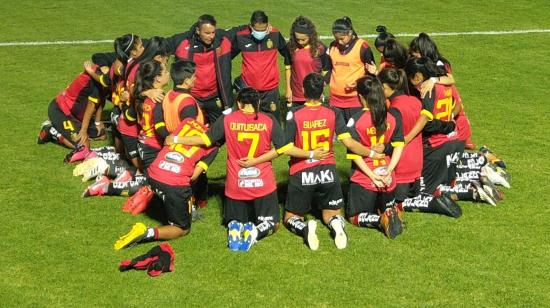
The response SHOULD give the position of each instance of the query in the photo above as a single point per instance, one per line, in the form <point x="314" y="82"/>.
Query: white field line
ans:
<point x="323" y="37"/>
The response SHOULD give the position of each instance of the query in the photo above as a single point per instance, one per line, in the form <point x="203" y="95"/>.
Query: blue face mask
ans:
<point x="259" y="35"/>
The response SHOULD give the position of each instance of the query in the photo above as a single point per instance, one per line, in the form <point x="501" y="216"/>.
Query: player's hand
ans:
<point x="378" y="148"/>
<point x="378" y="181"/>
<point x="124" y="96"/>
<point x="83" y="138"/>
<point x="156" y="95"/>
<point x="426" y="88"/>
<point x="169" y="140"/>
<point x="88" y="67"/>
<point x="321" y="153"/>
<point x="371" y="68"/>
<point x="379" y="156"/>
<point x="246" y="162"/>
<point x="288" y="97"/>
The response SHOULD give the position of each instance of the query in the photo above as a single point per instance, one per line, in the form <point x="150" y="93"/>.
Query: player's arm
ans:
<point x="363" y="167"/>
<point x="88" y="113"/>
<point x="202" y="165"/>
<point x="160" y="126"/>
<point x="98" y="116"/>
<point x="397" y="141"/>
<point x="288" y="71"/>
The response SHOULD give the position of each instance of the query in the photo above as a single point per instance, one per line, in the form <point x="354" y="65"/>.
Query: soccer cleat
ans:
<point x="447" y="206"/>
<point x="249" y="237"/>
<point x="493" y="176"/>
<point x="234" y="229"/>
<point x="123" y="177"/>
<point x="502" y="172"/>
<point x="340" y="236"/>
<point x="196" y="214"/>
<point x="83" y="166"/>
<point x="96" y="167"/>
<point x="481" y="195"/>
<point x="99" y="188"/>
<point x="490" y="188"/>
<point x="137" y="203"/>
<point x="311" y="238"/>
<point x="77" y="154"/>
<point x="136" y="234"/>
<point x="398" y="209"/>
<point x="492" y="157"/>
<point x="390" y="224"/>
<point x="44" y="135"/>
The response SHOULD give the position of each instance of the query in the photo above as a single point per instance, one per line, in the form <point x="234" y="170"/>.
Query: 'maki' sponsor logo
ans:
<point x="312" y="178"/>
<point x="251" y="172"/>
<point x="174" y="157"/>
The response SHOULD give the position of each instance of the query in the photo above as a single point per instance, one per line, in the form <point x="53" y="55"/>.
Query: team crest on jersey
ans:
<point x="251" y="172"/>
<point x="174" y="157"/>
<point x="269" y="43"/>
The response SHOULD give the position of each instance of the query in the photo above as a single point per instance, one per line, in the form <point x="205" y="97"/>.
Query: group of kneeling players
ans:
<point x="402" y="122"/>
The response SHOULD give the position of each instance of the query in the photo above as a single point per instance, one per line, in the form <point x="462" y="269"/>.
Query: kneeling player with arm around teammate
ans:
<point x="251" y="207"/>
<point x="372" y="182"/>
<point x="170" y="176"/>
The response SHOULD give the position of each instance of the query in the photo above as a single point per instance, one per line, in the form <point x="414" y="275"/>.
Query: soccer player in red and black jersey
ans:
<point x="409" y="168"/>
<point x="442" y="149"/>
<point x="372" y="182"/>
<point x="380" y="44"/>
<point x="251" y="207"/>
<point x="348" y="56"/>
<point x="170" y="175"/>
<point x="307" y="55"/>
<point x="315" y="182"/>
<point x="71" y="114"/>
<point x="260" y="69"/>
<point x="210" y="49"/>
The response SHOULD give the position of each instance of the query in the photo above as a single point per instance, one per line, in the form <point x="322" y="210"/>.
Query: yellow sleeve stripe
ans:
<point x="285" y="148"/>
<point x="207" y="141"/>
<point x="92" y="99"/>
<point x="398" y="144"/>
<point x="129" y="117"/>
<point x="203" y="165"/>
<point x="159" y="125"/>
<point x="102" y="81"/>
<point x="287" y="67"/>
<point x="344" y="136"/>
<point x="352" y="156"/>
<point x="427" y="114"/>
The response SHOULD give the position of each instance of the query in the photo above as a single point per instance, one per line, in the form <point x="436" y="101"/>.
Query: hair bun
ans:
<point x="381" y="29"/>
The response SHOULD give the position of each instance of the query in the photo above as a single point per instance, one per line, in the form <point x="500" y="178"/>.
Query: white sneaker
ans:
<point x="311" y="237"/>
<point x="97" y="167"/>
<point x="483" y="195"/>
<point x="340" y="236"/>
<point x="494" y="176"/>
<point x="83" y="166"/>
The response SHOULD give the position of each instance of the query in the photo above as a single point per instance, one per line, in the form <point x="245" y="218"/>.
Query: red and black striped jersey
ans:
<point x="311" y="126"/>
<point x="361" y="128"/>
<point x="175" y="163"/>
<point x="73" y="100"/>
<point x="260" y="68"/>
<point x="247" y="135"/>
<point x="409" y="167"/>
<point x="303" y="63"/>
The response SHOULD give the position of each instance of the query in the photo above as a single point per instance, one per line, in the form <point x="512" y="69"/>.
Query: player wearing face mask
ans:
<point x="259" y="44"/>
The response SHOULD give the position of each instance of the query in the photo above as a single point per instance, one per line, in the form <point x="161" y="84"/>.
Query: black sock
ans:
<point x="368" y="220"/>
<point x="125" y="188"/>
<point x="265" y="228"/>
<point x="297" y="225"/>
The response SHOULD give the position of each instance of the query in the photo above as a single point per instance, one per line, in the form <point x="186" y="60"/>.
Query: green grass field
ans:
<point x="56" y="247"/>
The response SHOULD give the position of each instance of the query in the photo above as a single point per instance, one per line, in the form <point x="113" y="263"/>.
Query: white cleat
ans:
<point x="494" y="177"/>
<point x="340" y="236"/>
<point x="95" y="168"/>
<point x="311" y="237"/>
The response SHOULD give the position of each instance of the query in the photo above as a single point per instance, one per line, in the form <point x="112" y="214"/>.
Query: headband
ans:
<point x="131" y="43"/>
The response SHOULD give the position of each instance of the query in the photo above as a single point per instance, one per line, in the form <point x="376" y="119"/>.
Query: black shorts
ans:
<point x="212" y="107"/>
<point x="362" y="200"/>
<point x="147" y="154"/>
<point x="265" y="208"/>
<point x="176" y="201"/>
<point x="67" y="125"/>
<point x="349" y="112"/>
<point x="406" y="190"/>
<point x="270" y="102"/>
<point x="319" y="185"/>
<point x="436" y="170"/>
<point x="130" y="145"/>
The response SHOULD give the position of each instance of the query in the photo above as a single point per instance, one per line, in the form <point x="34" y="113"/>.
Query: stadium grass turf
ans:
<point x="56" y="248"/>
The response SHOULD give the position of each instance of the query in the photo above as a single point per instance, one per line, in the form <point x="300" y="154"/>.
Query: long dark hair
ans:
<point x="249" y="96"/>
<point x="343" y="26"/>
<point x="304" y="25"/>
<point x="396" y="79"/>
<point x="424" y="45"/>
<point x="371" y="90"/>
<point x="423" y="65"/>
<point x="395" y="53"/>
<point x="145" y="79"/>
<point x="383" y="37"/>
<point x="124" y="45"/>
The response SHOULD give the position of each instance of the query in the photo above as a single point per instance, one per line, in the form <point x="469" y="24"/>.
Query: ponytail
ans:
<point x="372" y="92"/>
<point x="383" y="37"/>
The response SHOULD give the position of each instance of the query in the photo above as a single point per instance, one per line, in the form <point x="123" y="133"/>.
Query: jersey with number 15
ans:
<point x="248" y="134"/>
